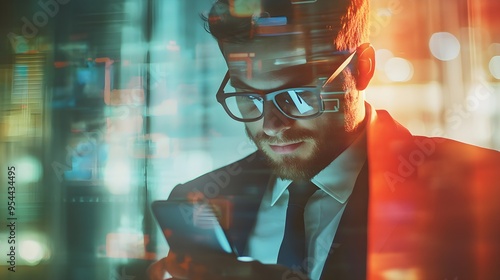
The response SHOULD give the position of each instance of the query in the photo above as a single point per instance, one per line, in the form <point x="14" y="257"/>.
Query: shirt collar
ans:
<point x="339" y="177"/>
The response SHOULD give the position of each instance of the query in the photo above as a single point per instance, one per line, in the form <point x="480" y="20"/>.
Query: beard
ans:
<point x="294" y="167"/>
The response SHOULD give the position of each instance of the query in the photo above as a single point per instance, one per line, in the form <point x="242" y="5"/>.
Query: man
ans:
<point x="383" y="204"/>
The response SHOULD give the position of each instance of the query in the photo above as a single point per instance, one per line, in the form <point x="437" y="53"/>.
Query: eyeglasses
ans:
<point x="296" y="103"/>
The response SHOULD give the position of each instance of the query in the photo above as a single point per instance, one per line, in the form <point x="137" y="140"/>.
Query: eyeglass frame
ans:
<point x="221" y="96"/>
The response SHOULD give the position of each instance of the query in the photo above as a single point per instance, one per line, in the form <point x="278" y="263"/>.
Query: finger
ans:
<point x="156" y="271"/>
<point x="176" y="265"/>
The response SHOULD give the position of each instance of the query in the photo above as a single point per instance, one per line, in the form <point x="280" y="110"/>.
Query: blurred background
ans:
<point x="107" y="105"/>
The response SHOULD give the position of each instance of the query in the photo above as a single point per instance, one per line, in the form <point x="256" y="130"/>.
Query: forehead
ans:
<point x="278" y="62"/>
<point x="267" y="81"/>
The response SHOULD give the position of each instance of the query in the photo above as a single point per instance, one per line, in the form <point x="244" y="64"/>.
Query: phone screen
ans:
<point x="191" y="227"/>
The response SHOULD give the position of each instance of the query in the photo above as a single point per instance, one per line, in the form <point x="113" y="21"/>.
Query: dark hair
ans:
<point x="225" y="27"/>
<point x="347" y="20"/>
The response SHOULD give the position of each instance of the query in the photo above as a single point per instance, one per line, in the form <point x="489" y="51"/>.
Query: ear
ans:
<point x="365" y="66"/>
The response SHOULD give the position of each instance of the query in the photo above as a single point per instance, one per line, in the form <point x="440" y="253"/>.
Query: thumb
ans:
<point x="170" y="264"/>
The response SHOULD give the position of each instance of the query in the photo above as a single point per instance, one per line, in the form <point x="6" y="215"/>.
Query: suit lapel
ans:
<point x="347" y="256"/>
<point x="245" y="195"/>
<point x="244" y="218"/>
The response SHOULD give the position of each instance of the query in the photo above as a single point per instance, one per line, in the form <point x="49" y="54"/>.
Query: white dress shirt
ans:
<point x="322" y="212"/>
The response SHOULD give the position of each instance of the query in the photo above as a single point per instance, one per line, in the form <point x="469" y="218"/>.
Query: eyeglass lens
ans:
<point x="297" y="103"/>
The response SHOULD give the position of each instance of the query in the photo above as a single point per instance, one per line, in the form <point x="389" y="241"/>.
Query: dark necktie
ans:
<point x="293" y="247"/>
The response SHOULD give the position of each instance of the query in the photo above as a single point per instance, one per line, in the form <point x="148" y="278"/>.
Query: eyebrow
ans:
<point x="241" y="86"/>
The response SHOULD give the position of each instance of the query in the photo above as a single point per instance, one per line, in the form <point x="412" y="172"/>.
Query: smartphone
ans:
<point x="191" y="228"/>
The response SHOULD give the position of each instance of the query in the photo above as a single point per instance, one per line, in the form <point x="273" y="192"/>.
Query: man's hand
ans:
<point x="172" y="265"/>
<point x="219" y="267"/>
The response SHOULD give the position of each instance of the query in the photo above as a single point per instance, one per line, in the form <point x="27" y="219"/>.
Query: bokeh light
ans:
<point x="444" y="46"/>
<point x="384" y="12"/>
<point x="398" y="69"/>
<point x="32" y="251"/>
<point x="381" y="57"/>
<point x="31" y="169"/>
<point x="494" y="66"/>
<point x="117" y="177"/>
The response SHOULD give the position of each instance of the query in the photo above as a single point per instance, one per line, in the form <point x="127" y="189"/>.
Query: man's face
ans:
<point x="296" y="149"/>
<point x="299" y="149"/>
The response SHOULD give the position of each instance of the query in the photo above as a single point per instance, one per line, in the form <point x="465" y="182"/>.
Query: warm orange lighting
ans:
<point x="61" y="64"/>
<point x="127" y="245"/>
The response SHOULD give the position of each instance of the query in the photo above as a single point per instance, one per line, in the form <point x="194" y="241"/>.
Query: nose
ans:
<point x="275" y="122"/>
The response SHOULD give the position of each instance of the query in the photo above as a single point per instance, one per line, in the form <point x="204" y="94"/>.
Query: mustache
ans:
<point x="297" y="135"/>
